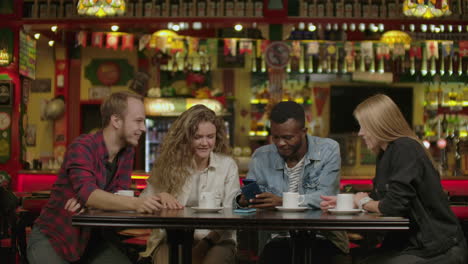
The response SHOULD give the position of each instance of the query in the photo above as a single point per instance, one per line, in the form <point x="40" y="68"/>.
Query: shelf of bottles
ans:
<point x="446" y="111"/>
<point x="359" y="9"/>
<point x="445" y="131"/>
<point x="368" y="9"/>
<point x="411" y="63"/>
<point x="47" y="9"/>
<point x="295" y="88"/>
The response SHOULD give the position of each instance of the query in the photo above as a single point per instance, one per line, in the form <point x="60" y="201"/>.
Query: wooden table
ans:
<point x="180" y="225"/>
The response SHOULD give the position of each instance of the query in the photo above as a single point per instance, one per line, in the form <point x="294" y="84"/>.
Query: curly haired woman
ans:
<point x="194" y="159"/>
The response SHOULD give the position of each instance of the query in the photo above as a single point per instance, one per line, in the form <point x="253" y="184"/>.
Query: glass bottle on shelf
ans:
<point x="357" y="9"/>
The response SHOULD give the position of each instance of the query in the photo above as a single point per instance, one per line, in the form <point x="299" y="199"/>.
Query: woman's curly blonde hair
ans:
<point x="176" y="158"/>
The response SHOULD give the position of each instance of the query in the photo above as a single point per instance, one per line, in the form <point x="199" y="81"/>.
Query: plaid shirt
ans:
<point x="82" y="172"/>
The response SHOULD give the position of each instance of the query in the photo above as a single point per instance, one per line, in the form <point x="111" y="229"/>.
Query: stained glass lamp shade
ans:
<point x="101" y="8"/>
<point x="426" y="8"/>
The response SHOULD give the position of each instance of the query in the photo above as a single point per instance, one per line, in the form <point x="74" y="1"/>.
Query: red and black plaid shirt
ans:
<point x="82" y="172"/>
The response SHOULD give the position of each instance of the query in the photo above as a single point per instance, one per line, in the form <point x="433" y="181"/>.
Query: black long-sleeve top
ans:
<point x="408" y="185"/>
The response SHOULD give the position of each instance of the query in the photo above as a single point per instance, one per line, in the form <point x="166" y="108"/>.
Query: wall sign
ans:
<point x="277" y="54"/>
<point x="5" y="134"/>
<point x="6" y="93"/>
<point x="109" y="72"/>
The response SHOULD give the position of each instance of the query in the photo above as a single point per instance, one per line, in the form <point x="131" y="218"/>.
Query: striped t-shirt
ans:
<point x="294" y="174"/>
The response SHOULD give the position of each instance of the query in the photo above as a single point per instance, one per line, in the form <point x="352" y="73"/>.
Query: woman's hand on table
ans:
<point x="327" y="202"/>
<point x="358" y="196"/>
<point x="73" y="206"/>
<point x="148" y="204"/>
<point x="169" y="202"/>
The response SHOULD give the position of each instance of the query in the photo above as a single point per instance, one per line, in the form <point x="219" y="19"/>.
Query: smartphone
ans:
<point x="249" y="191"/>
<point x="246" y="182"/>
<point x="245" y="210"/>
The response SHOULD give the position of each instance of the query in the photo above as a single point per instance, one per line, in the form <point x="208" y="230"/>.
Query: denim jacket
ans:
<point x="321" y="170"/>
<point x="321" y="176"/>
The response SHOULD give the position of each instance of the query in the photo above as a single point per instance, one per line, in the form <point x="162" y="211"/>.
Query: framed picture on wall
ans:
<point x="6" y="93"/>
<point x="31" y="135"/>
<point x="41" y="86"/>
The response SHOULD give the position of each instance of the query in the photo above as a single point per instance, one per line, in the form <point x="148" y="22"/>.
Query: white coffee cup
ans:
<point x="207" y="200"/>
<point x="345" y="201"/>
<point x="292" y="199"/>
<point x="125" y="193"/>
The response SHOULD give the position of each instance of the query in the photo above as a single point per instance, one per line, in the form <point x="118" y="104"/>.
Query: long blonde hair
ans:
<point x="176" y="159"/>
<point x="382" y="118"/>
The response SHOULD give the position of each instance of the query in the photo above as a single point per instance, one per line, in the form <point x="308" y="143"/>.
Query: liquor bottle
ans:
<point x="374" y="8"/>
<point x="357" y="9"/>
<point x="201" y="8"/>
<point x="312" y="8"/>
<point x="392" y="9"/>
<point x="383" y="9"/>
<point x="303" y="8"/>
<point x="43" y="8"/>
<point x="211" y="8"/>
<point x="61" y="10"/>
<point x="156" y="8"/>
<point x="174" y="8"/>
<point x="321" y="8"/>
<point x="366" y="9"/>
<point x="165" y="5"/>
<point x="239" y="8"/>
<point x="52" y="9"/>
<point x="339" y="9"/>
<point x="139" y="8"/>
<point x="130" y="12"/>
<point x="148" y="8"/>
<point x="258" y="8"/>
<point x="329" y="9"/>
<point x="249" y="8"/>
<point x="348" y="8"/>
<point x="229" y="8"/>
<point x="220" y="8"/>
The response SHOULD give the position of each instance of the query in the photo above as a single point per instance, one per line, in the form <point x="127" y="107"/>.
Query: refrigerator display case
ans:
<point x="162" y="112"/>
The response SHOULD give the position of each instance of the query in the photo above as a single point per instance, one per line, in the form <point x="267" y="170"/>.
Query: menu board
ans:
<point x="27" y="56"/>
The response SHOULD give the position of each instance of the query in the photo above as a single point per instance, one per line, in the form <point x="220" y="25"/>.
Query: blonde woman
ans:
<point x="406" y="184"/>
<point x="194" y="158"/>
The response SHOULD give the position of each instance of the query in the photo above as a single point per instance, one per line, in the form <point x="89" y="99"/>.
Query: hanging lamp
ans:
<point x="101" y="8"/>
<point x="426" y="8"/>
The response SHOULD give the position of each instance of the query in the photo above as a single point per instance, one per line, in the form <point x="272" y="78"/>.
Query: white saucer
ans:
<point x="292" y="209"/>
<point x="207" y="210"/>
<point x="350" y="211"/>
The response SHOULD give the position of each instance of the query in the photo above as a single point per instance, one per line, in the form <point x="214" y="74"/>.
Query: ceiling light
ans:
<point x="238" y="27"/>
<point x="312" y="27"/>
<point x="51" y="43"/>
<point x="301" y="26"/>
<point x="197" y="25"/>
<point x="423" y="27"/>
<point x="344" y="26"/>
<point x="53" y="28"/>
<point x="114" y="28"/>
<point x="176" y="27"/>
<point x="362" y="27"/>
<point x="37" y="35"/>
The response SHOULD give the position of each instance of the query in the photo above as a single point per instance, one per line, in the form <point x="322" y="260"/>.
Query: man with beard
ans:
<point x="94" y="168"/>
<point x="296" y="162"/>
